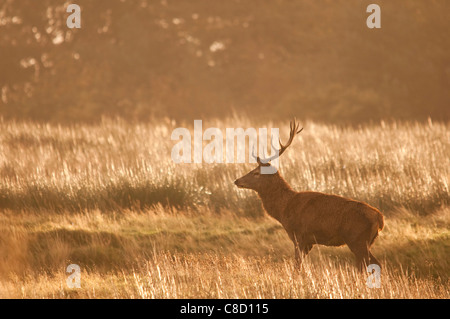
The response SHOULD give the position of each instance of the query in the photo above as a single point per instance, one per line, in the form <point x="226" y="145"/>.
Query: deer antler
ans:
<point x="293" y="131"/>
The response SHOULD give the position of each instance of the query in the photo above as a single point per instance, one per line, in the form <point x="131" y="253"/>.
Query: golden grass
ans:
<point x="109" y="198"/>
<point x="155" y="254"/>
<point x="116" y="165"/>
<point x="169" y="275"/>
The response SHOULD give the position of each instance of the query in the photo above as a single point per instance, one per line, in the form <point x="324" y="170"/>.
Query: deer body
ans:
<point x="312" y="218"/>
<point x="330" y="220"/>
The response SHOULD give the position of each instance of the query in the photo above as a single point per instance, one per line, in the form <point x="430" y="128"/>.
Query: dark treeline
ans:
<point x="188" y="59"/>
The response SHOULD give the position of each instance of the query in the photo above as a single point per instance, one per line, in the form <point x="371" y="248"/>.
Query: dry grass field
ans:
<point x="109" y="198"/>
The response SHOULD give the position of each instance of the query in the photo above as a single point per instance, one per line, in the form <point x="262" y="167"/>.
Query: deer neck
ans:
<point x="276" y="197"/>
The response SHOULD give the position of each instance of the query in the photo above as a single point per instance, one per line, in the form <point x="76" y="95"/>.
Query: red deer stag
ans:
<point x="315" y="218"/>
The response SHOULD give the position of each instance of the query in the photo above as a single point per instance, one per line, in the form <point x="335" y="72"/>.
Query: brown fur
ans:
<point x="316" y="218"/>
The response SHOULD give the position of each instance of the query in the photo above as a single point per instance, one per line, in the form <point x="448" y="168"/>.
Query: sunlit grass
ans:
<point x="117" y="165"/>
<point x="208" y="275"/>
<point x="158" y="254"/>
<point x="109" y="198"/>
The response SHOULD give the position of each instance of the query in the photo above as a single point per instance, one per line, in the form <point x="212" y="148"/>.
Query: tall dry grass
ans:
<point x="192" y="276"/>
<point x="160" y="254"/>
<point x="109" y="198"/>
<point x="117" y="165"/>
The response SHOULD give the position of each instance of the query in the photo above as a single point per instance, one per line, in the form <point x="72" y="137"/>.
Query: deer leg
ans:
<point x="300" y="252"/>
<point x="298" y="257"/>
<point x="301" y="249"/>
<point x="373" y="260"/>
<point x="294" y="239"/>
<point x="362" y="255"/>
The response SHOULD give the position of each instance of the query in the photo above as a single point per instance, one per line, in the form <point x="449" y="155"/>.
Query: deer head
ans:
<point x="259" y="182"/>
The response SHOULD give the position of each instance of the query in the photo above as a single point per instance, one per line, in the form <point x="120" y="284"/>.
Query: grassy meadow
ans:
<point x="109" y="198"/>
